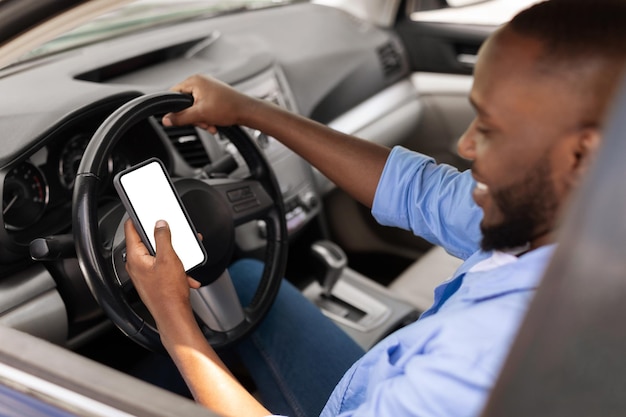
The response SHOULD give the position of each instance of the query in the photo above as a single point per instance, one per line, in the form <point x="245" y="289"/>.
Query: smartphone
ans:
<point x="148" y="194"/>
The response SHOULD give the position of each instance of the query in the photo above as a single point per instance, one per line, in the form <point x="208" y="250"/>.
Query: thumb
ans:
<point x="175" y="119"/>
<point x="189" y="116"/>
<point x="167" y="120"/>
<point x="163" y="238"/>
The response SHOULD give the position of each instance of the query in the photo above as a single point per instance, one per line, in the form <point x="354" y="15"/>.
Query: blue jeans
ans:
<point x="296" y="355"/>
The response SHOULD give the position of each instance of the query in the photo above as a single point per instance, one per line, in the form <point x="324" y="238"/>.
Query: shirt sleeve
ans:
<point x="433" y="201"/>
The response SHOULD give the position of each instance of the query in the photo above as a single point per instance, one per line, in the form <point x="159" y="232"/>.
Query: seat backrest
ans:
<point x="416" y="284"/>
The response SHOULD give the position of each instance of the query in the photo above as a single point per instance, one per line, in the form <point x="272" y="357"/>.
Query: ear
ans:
<point x="586" y="146"/>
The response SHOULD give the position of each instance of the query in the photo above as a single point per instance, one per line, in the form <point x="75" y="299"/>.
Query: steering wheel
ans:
<point x="216" y="207"/>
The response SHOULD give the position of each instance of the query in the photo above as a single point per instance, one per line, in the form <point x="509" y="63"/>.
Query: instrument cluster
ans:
<point x="37" y="191"/>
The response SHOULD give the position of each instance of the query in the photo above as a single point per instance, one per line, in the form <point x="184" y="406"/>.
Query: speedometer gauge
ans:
<point x="71" y="156"/>
<point x="24" y="197"/>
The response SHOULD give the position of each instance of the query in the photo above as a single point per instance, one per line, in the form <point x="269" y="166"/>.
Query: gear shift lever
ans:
<point x="333" y="260"/>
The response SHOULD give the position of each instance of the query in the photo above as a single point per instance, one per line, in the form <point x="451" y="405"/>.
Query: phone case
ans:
<point x="117" y="183"/>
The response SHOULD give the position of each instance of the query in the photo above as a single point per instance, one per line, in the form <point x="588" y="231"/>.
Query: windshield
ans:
<point x="144" y="14"/>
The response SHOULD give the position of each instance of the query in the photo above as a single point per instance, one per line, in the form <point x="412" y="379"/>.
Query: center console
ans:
<point x="364" y="309"/>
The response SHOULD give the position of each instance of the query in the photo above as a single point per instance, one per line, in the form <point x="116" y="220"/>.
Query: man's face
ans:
<point x="516" y="143"/>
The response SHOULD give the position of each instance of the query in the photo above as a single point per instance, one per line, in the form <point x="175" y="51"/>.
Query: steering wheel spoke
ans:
<point x="217" y="304"/>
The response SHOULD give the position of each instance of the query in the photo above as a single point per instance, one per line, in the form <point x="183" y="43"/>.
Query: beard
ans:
<point x="529" y="209"/>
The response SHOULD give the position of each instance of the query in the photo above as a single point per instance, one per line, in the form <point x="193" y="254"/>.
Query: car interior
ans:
<point x="390" y="72"/>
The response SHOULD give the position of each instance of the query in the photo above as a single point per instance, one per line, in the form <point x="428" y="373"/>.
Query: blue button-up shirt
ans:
<point x="445" y="363"/>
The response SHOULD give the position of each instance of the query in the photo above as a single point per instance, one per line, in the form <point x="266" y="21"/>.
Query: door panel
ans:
<point x="446" y="113"/>
<point x="442" y="47"/>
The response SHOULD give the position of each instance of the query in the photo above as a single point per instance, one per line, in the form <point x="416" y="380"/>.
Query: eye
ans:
<point x="483" y="130"/>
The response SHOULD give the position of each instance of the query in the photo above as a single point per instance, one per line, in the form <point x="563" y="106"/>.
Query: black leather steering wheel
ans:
<point x="216" y="207"/>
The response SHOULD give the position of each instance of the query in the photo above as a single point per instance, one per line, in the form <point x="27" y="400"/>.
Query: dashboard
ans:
<point x="37" y="190"/>
<point x="319" y="74"/>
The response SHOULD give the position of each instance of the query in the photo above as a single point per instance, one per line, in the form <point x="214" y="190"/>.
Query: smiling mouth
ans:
<point x="481" y="187"/>
<point x="480" y="193"/>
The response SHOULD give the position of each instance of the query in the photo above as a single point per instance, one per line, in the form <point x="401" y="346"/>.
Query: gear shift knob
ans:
<point x="333" y="260"/>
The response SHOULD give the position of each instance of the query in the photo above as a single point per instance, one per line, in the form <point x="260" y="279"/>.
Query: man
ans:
<point x="542" y="86"/>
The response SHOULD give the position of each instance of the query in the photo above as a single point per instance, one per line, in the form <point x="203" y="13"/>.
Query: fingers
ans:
<point x="164" y="249"/>
<point x="134" y="244"/>
<point x="177" y="119"/>
<point x="186" y="86"/>
<point x="189" y="115"/>
<point x="140" y="264"/>
<point x="193" y="283"/>
<point x="205" y="92"/>
<point x="132" y="236"/>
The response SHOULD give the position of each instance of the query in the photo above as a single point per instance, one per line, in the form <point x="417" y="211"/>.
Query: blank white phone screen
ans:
<point x="153" y="199"/>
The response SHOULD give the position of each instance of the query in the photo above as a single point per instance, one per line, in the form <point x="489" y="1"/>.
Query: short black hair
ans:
<point x="572" y="29"/>
<point x="584" y="43"/>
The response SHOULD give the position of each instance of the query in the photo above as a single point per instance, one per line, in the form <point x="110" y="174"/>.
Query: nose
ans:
<point x="466" y="146"/>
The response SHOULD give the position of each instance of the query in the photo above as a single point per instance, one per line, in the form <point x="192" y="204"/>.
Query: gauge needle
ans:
<point x="8" y="206"/>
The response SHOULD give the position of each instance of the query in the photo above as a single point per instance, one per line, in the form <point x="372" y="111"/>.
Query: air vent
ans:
<point x="186" y="141"/>
<point x="390" y="59"/>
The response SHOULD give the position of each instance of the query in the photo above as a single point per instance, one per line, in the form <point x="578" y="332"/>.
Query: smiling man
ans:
<point x="540" y="97"/>
<point x="542" y="86"/>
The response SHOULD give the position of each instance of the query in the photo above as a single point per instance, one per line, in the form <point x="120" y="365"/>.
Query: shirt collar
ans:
<point x="498" y="273"/>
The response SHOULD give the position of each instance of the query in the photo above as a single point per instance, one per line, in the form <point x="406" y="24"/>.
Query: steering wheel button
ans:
<point x="239" y="194"/>
<point x="246" y="205"/>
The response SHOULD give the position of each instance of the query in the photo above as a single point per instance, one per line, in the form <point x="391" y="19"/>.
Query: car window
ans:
<point x="490" y="12"/>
